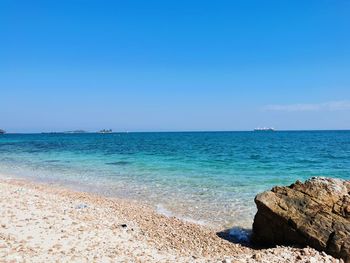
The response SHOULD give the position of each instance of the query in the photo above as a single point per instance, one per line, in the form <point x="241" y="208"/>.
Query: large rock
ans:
<point x="315" y="213"/>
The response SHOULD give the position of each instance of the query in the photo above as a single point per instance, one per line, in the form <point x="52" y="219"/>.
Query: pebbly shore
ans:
<point x="48" y="223"/>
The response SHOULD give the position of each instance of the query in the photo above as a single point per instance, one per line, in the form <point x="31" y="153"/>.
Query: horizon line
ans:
<point x="170" y="131"/>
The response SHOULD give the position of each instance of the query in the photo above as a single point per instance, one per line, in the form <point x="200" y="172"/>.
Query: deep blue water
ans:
<point x="207" y="176"/>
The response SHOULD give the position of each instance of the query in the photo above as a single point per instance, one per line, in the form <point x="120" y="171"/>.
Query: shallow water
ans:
<point x="208" y="177"/>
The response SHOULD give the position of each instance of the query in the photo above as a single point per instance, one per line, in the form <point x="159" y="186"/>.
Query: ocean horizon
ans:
<point x="174" y="131"/>
<point x="209" y="178"/>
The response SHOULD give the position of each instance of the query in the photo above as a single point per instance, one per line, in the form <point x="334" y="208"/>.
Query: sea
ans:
<point x="209" y="178"/>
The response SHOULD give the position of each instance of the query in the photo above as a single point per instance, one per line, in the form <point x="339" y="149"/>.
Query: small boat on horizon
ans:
<point x="264" y="129"/>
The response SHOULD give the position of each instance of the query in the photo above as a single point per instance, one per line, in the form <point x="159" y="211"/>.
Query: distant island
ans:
<point x="76" y="131"/>
<point x="65" y="132"/>
<point x="105" y="131"/>
<point x="264" y="129"/>
<point x="2" y="131"/>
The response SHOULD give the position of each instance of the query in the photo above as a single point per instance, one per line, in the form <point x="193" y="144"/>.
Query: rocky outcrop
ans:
<point x="315" y="213"/>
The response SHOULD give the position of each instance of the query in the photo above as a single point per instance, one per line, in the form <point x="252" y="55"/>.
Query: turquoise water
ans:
<point x="210" y="177"/>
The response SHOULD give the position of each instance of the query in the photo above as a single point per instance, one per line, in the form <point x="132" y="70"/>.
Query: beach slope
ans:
<point x="46" y="223"/>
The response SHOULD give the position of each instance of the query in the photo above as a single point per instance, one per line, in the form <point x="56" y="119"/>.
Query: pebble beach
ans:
<point x="49" y="223"/>
<point x="174" y="131"/>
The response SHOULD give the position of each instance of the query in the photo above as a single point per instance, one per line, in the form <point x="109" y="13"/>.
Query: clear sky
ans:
<point x="174" y="65"/>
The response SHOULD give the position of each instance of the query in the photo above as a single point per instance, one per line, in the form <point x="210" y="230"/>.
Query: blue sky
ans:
<point x="174" y="65"/>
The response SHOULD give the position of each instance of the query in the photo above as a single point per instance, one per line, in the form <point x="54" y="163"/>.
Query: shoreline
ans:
<point x="166" y="207"/>
<point x="46" y="222"/>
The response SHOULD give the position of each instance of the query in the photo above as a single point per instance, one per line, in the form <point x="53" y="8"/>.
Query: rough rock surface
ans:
<point x="315" y="213"/>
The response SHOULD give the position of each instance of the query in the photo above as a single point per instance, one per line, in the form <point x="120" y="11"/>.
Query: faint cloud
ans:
<point x="339" y="105"/>
<point x="326" y="106"/>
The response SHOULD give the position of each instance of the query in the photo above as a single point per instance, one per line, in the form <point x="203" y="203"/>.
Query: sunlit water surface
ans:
<point x="208" y="177"/>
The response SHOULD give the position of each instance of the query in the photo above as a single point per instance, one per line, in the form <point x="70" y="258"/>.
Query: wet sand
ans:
<point x="48" y="223"/>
